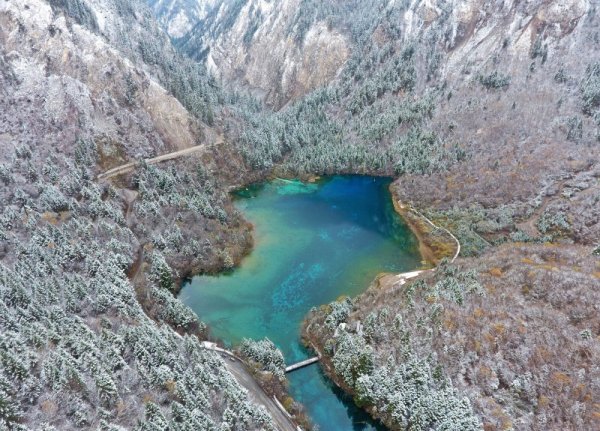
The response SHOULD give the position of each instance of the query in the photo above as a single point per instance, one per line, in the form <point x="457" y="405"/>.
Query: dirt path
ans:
<point x="256" y="394"/>
<point x="529" y="226"/>
<point x="135" y="270"/>
<point x="434" y="226"/>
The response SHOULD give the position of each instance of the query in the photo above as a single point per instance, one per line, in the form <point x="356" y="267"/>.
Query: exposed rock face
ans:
<point x="282" y="50"/>
<point x="260" y="44"/>
<point x="179" y="16"/>
<point x="295" y="68"/>
<point x="290" y="69"/>
<point x="258" y="47"/>
<point x="68" y="82"/>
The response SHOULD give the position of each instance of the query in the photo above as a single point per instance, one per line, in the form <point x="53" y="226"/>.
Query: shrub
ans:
<point x="494" y="80"/>
<point x="561" y="76"/>
<point x="264" y="353"/>
<point x="590" y="88"/>
<point x="574" y="128"/>
<point x="539" y="49"/>
<point x="553" y="222"/>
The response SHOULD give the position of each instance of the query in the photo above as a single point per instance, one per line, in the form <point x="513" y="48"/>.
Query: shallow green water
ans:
<point x="313" y="243"/>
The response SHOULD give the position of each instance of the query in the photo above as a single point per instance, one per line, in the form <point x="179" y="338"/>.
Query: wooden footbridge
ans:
<point x="302" y="364"/>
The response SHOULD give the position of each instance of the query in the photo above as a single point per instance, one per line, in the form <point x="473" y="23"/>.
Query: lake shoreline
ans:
<point x="355" y="198"/>
<point x="434" y="244"/>
<point x="432" y="248"/>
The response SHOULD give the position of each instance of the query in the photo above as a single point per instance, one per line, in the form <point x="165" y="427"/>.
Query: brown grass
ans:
<point x="433" y="245"/>
<point x="496" y="272"/>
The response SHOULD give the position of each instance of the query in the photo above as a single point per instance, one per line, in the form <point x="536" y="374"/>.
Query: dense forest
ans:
<point x="92" y="334"/>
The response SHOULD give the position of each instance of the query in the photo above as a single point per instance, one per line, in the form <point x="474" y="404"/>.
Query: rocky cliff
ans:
<point x="180" y="16"/>
<point x="67" y="82"/>
<point x="258" y="44"/>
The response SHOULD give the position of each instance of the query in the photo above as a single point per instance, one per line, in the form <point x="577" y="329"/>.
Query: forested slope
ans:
<point x="509" y="339"/>
<point x="497" y="96"/>
<point x="91" y="334"/>
<point x="489" y="113"/>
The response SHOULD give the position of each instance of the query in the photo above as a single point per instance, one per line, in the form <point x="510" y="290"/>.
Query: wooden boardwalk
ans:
<point x="128" y="167"/>
<point x="302" y="364"/>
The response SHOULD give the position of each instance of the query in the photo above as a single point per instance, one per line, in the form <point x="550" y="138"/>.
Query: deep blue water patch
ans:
<point x="313" y="243"/>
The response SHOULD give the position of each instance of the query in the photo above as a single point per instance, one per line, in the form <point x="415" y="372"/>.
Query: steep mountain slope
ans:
<point x="88" y="323"/>
<point x="87" y="87"/>
<point x="235" y="39"/>
<point x="104" y="82"/>
<point x="180" y="16"/>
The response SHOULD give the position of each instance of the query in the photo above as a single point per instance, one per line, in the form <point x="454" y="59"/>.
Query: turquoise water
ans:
<point x="313" y="243"/>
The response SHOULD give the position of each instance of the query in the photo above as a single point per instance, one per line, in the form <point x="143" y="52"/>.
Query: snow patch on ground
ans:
<point x="34" y="13"/>
<point x="179" y="25"/>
